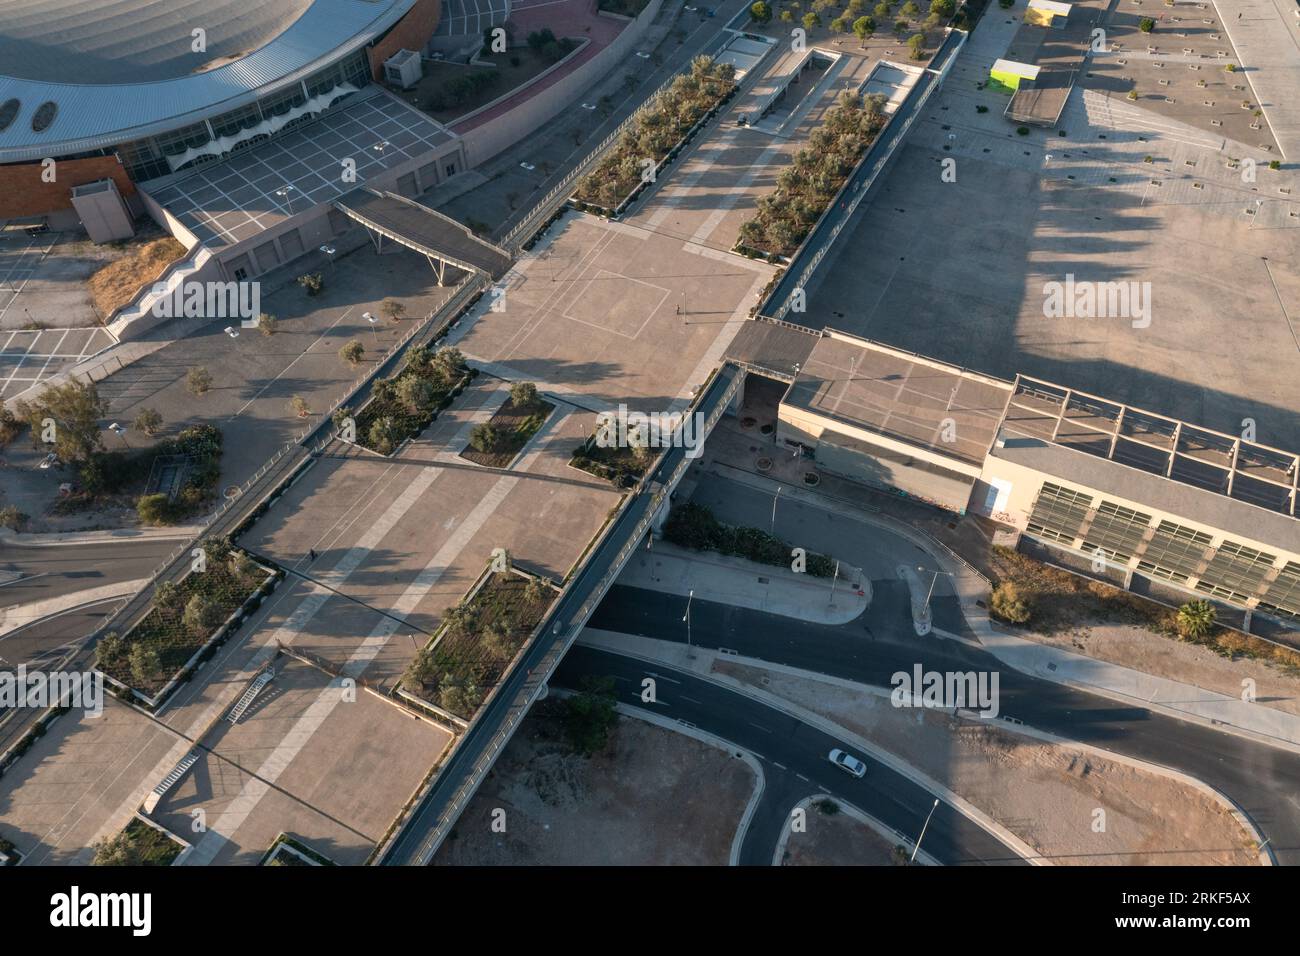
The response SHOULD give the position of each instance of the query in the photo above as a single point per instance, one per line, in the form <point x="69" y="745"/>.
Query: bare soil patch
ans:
<point x="837" y="839"/>
<point x="651" y="798"/>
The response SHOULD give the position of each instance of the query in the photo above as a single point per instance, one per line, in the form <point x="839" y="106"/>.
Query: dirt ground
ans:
<point x="837" y="839"/>
<point x="1138" y="648"/>
<point x="1045" y="794"/>
<point x="652" y="798"/>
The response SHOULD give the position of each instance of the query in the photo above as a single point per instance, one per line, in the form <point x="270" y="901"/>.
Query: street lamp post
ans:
<point x="916" y="849"/>
<point x="774" y="497"/>
<point x="687" y="617"/>
<point x="329" y="251"/>
<point x="372" y="320"/>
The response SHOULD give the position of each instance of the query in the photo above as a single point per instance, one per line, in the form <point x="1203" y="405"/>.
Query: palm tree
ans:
<point x="1196" y="619"/>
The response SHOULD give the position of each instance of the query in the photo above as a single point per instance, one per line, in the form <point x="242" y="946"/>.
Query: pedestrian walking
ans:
<point x="312" y="552"/>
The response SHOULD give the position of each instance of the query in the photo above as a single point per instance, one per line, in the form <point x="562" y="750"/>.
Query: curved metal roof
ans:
<point x="163" y="93"/>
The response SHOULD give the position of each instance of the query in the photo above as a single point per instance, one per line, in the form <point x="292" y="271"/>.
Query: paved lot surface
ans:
<point x="329" y="767"/>
<point x="1224" y="289"/>
<point x="43" y="279"/>
<point x="254" y="376"/>
<point x="81" y="782"/>
<point x="29" y="358"/>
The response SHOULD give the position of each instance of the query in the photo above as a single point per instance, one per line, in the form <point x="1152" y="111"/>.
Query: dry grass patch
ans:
<point x="117" y="283"/>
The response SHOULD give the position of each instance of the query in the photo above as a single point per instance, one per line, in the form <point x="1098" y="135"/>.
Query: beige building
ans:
<point x="1159" y="506"/>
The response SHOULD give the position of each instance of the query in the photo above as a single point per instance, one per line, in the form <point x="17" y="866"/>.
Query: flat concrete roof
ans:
<point x="901" y="396"/>
<point x="231" y="200"/>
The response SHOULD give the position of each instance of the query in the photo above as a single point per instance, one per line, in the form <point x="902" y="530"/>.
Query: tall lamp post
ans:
<point x="687" y="617"/>
<point x="917" y="849"/>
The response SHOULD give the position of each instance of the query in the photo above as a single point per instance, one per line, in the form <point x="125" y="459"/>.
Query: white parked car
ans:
<point x="848" y="763"/>
<point x="49" y="460"/>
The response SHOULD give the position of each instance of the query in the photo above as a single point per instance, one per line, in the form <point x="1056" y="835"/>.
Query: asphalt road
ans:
<point x="1264" y="781"/>
<point x="795" y="761"/>
<point x="55" y="570"/>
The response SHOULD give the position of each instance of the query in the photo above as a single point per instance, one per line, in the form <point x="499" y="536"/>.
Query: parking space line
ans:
<point x="50" y="358"/>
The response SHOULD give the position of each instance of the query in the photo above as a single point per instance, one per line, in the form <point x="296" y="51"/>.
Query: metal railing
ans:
<point x="447" y="312"/>
<point x="538" y="676"/>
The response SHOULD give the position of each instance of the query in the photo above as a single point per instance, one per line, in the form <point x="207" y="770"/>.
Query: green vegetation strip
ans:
<point x="808" y="185"/>
<point x="694" y="526"/>
<point x="656" y="133"/>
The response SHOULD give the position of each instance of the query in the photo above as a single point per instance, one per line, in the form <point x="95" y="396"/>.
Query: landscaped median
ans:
<point x="477" y="641"/>
<point x="656" y="135"/>
<point x="809" y="184"/>
<point x="401" y="407"/>
<point x="694" y="526"/>
<point x="185" y="624"/>
<point x="286" y="851"/>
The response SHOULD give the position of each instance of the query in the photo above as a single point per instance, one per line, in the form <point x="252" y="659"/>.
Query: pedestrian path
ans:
<point x="774" y="590"/>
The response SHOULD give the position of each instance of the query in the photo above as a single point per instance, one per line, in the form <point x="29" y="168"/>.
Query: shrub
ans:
<point x="12" y="518"/>
<point x="198" y="380"/>
<point x="154" y="509"/>
<point x="147" y="422"/>
<point x="298" y="405"/>
<point x="1196" y="619"/>
<point x="944" y="8"/>
<point x="484" y="437"/>
<point x="981" y="109"/>
<point x="917" y="45"/>
<point x="313" y="282"/>
<point x="1022" y="130"/>
<point x="1007" y="604"/>
<point x="352" y="352"/>
<point x="266" y="324"/>
<point x="523" y="394"/>
<point x="810" y="20"/>
<point x="761" y="12"/>
<point x="393" y="310"/>
<point x="1146" y="24"/>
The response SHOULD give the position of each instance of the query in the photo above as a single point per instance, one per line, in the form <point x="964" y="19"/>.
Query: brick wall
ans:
<point x="411" y="32"/>
<point x="25" y="194"/>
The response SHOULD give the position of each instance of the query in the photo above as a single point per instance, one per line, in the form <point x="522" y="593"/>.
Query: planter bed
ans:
<point x="514" y="427"/>
<point x="404" y="421"/>
<point x="144" y="845"/>
<point x="658" y="131"/>
<point x="807" y="187"/>
<point x="619" y="465"/>
<point x="232" y="593"/>
<point x="475" y="647"/>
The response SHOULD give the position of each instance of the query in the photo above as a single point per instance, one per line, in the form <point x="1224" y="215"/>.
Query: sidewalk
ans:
<point x="1174" y="698"/>
<point x="760" y="587"/>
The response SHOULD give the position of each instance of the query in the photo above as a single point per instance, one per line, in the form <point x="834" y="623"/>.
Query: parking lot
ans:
<point x="28" y="358"/>
<point x="43" y="279"/>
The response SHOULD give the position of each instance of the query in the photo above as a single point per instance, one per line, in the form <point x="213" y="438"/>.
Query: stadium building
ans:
<point x="124" y="92"/>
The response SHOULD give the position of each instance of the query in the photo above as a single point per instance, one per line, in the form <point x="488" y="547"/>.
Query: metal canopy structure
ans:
<point x="440" y="239"/>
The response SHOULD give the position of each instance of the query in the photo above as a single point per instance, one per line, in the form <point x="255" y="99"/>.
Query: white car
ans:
<point x="528" y="166"/>
<point x="49" y="461"/>
<point x="848" y="763"/>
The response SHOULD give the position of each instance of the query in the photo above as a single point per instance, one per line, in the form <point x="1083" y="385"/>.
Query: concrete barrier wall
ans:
<point x="485" y="141"/>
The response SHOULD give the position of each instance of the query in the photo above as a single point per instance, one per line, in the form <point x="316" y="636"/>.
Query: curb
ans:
<point x="958" y="803"/>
